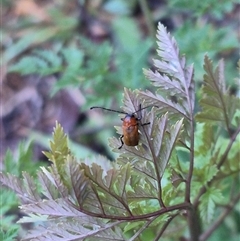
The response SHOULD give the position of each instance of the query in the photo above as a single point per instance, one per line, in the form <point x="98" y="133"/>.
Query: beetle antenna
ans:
<point x="117" y="111"/>
<point x="144" y="108"/>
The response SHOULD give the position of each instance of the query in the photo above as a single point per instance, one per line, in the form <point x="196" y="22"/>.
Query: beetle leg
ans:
<point x="144" y="124"/>
<point x="121" y="139"/>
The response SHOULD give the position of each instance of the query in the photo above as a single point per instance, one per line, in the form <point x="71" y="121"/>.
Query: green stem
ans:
<point x="148" y="17"/>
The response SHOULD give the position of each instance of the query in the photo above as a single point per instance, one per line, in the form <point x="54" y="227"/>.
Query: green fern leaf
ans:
<point x="52" y="58"/>
<point x="141" y="189"/>
<point x="59" y="146"/>
<point x="39" y="62"/>
<point x="208" y="203"/>
<point x="59" y="152"/>
<point x="217" y="105"/>
<point x="29" y="65"/>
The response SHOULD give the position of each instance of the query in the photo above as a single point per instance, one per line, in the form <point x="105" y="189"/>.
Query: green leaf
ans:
<point x="59" y="150"/>
<point x="127" y="46"/>
<point x="141" y="188"/>
<point x="21" y="161"/>
<point x="10" y="234"/>
<point x="10" y="201"/>
<point x="132" y="226"/>
<point x="217" y="105"/>
<point x="124" y="28"/>
<point x="208" y="203"/>
<point x="37" y="36"/>
<point x="205" y="139"/>
<point x="29" y="65"/>
<point x="71" y="74"/>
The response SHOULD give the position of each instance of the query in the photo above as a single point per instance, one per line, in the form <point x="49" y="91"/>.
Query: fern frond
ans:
<point x="59" y="145"/>
<point x="59" y="151"/>
<point x="109" y="190"/>
<point x="141" y="164"/>
<point x="56" y="208"/>
<point x="208" y="203"/>
<point x="217" y="105"/>
<point x="154" y="136"/>
<point x="141" y="189"/>
<point x="77" y="229"/>
<point x="173" y="79"/>
<point x="48" y="184"/>
<point x="52" y="58"/>
<point x="164" y="105"/>
<point x="26" y="188"/>
<point x="77" y="180"/>
<point x="42" y="62"/>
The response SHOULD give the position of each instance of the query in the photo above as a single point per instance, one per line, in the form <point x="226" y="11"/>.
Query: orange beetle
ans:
<point x="130" y="124"/>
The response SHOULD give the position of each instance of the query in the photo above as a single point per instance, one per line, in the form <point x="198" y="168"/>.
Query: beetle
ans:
<point x="130" y="125"/>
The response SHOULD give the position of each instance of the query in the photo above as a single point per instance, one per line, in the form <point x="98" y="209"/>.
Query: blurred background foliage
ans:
<point x="59" y="58"/>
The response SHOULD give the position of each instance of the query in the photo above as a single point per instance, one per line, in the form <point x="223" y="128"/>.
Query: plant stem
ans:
<point x="224" y="156"/>
<point x="191" y="166"/>
<point x="181" y="206"/>
<point x="142" y="229"/>
<point x="165" y="226"/>
<point x="192" y="215"/>
<point x="194" y="224"/>
<point x="148" y="17"/>
<point x="193" y="219"/>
